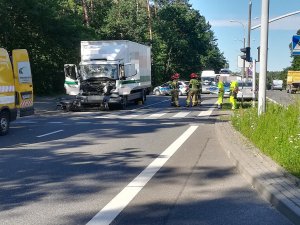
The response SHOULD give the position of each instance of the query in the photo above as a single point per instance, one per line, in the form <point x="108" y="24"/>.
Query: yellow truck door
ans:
<point x="23" y="82"/>
<point x="8" y="111"/>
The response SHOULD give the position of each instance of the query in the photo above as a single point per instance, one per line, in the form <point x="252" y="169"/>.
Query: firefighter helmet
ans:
<point x="193" y="75"/>
<point x="175" y="76"/>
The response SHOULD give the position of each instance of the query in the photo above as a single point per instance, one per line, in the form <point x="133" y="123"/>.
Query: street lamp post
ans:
<point x="244" y="40"/>
<point x="249" y="23"/>
<point x="263" y="57"/>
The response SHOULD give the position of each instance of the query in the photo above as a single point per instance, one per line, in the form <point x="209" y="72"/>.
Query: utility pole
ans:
<point x="263" y="56"/>
<point x="253" y="82"/>
<point x="249" y="31"/>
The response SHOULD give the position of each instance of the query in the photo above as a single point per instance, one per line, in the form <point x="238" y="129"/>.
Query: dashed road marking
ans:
<point x="155" y="115"/>
<point x="181" y="114"/>
<point x="54" y="132"/>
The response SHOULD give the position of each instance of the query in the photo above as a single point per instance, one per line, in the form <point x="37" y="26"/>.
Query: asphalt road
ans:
<point x="282" y="97"/>
<point x="150" y="164"/>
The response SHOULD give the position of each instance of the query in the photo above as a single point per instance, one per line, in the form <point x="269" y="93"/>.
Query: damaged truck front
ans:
<point x="111" y="73"/>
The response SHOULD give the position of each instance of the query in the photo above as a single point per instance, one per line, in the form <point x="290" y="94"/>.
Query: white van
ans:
<point x="277" y="85"/>
<point x="246" y="91"/>
<point x="208" y="79"/>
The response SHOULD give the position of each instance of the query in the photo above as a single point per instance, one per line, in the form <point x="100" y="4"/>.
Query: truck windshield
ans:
<point x="208" y="80"/>
<point x="99" y="70"/>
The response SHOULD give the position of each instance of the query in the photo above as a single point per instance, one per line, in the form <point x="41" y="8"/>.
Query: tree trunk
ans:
<point x="149" y="21"/>
<point x="168" y="64"/>
<point x="155" y="7"/>
<point x="92" y="11"/>
<point x="85" y="13"/>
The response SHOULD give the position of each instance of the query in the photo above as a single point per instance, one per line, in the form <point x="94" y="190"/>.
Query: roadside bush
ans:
<point x="276" y="133"/>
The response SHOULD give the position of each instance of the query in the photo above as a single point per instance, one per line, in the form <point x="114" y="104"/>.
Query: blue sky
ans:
<point x="230" y="34"/>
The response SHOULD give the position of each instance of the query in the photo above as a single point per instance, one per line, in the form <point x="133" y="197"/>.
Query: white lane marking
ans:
<point x="206" y="113"/>
<point x="155" y="115"/>
<point x="26" y="122"/>
<point x="181" y="114"/>
<point x="110" y="122"/>
<point x="129" y="116"/>
<point x="275" y="102"/>
<point x="101" y="117"/>
<point x="120" y="201"/>
<point x="55" y="122"/>
<point x="54" y="132"/>
<point x="168" y="123"/>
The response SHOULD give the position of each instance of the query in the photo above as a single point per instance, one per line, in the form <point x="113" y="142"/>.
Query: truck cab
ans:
<point x="109" y="73"/>
<point x="16" y="89"/>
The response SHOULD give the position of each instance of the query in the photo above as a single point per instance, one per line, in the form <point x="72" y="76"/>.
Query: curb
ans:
<point x="271" y="181"/>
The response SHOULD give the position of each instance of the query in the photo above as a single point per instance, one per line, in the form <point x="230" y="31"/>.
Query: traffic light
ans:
<point x="246" y="55"/>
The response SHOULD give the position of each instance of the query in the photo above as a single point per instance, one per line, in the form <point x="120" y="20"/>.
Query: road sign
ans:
<point x="296" y="45"/>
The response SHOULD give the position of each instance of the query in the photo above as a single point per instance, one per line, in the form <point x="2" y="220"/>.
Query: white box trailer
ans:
<point x="111" y="72"/>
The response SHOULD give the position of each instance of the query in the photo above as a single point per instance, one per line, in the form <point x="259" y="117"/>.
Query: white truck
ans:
<point x="111" y="73"/>
<point x="277" y="85"/>
<point x="208" y="79"/>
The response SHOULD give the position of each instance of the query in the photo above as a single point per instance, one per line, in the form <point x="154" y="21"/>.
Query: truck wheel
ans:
<point x="123" y="103"/>
<point x="141" y="100"/>
<point x="4" y="123"/>
<point x="143" y="97"/>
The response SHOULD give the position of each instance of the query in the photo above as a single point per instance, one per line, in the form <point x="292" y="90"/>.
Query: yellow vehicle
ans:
<point x="293" y="81"/>
<point x="16" y="90"/>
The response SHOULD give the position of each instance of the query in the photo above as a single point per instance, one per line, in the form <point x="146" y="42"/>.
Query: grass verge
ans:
<point x="276" y="133"/>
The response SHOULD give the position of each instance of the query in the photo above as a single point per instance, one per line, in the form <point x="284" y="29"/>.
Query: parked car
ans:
<point x="183" y="87"/>
<point x="226" y="89"/>
<point x="163" y="89"/>
<point x="213" y="89"/>
<point x="206" y="87"/>
<point x="246" y="91"/>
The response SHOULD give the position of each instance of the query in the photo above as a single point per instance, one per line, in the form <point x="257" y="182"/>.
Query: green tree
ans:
<point x="51" y="34"/>
<point x="127" y="20"/>
<point x="51" y="30"/>
<point x="183" y="42"/>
